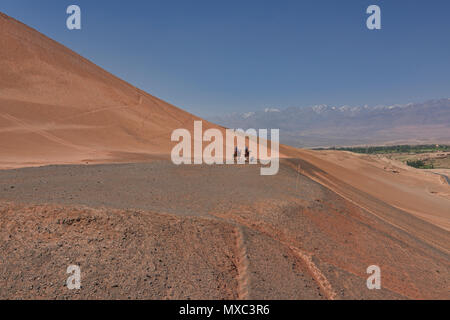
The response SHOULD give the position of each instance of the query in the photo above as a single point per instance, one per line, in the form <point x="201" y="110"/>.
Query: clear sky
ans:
<point x="214" y="57"/>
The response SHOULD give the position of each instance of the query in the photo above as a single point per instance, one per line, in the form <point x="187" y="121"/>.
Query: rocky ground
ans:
<point x="158" y="231"/>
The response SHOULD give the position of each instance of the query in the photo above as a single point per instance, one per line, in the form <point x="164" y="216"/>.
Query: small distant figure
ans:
<point x="237" y="154"/>
<point x="247" y="154"/>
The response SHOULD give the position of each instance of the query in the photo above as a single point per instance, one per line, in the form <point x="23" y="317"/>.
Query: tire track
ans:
<point x="102" y="109"/>
<point x="44" y="133"/>
<point x="271" y="232"/>
<point x="242" y="265"/>
<point x="94" y="111"/>
<point x="315" y="272"/>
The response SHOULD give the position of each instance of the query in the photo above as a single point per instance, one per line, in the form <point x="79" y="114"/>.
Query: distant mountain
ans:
<point x="323" y="125"/>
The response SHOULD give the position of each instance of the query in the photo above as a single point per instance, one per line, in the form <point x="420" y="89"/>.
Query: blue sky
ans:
<point x="215" y="57"/>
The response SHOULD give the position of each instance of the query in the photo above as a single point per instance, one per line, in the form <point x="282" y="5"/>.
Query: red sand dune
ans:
<point x="58" y="108"/>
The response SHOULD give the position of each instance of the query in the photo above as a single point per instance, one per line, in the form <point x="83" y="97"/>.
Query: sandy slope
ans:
<point x="57" y="107"/>
<point x="412" y="190"/>
<point x="415" y="191"/>
<point x="308" y="232"/>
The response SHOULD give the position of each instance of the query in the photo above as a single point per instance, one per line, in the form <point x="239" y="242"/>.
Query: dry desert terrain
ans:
<point x="86" y="179"/>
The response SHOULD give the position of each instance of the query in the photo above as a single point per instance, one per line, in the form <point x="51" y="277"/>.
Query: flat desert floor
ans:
<point x="159" y="231"/>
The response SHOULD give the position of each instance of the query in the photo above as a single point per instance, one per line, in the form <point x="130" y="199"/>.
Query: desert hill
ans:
<point x="57" y="107"/>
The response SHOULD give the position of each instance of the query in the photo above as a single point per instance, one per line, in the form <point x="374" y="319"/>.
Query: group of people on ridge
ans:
<point x="237" y="153"/>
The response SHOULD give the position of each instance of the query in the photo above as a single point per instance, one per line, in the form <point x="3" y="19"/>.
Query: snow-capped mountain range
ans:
<point x="324" y="125"/>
